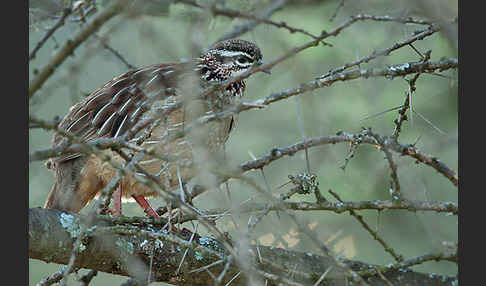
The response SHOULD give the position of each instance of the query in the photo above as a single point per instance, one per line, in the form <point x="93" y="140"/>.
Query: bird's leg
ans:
<point x="147" y="208"/>
<point x="117" y="205"/>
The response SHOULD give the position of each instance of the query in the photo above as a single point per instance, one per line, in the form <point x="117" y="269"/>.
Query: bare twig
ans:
<point x="389" y="72"/>
<point x="417" y="51"/>
<point x="86" y="279"/>
<point x="410" y="262"/>
<point x="77" y="246"/>
<point x="185" y="252"/>
<point x="263" y="209"/>
<point x="322" y="276"/>
<point x="402" y="149"/>
<point x="373" y="233"/>
<point x="403" y="20"/>
<point x="383" y="142"/>
<point x="302" y="227"/>
<point x="232" y="279"/>
<point x="53" y="278"/>
<point x="383" y="277"/>
<point x="301" y="126"/>
<point x="132" y="282"/>
<point x="114" y="52"/>
<point x="65" y="13"/>
<point x="53" y="123"/>
<point x="225" y="270"/>
<point x="428" y="122"/>
<point x="385" y="52"/>
<point x="313" y="236"/>
<point x="69" y="47"/>
<point x="297" y="50"/>
<point x="353" y="146"/>
<point x="43" y="224"/>
<point x="206" y="266"/>
<point x="407" y="104"/>
<point x="340" y="5"/>
<point x="380" y="113"/>
<point x="241" y="29"/>
<point x="238" y="14"/>
<point x="395" y="189"/>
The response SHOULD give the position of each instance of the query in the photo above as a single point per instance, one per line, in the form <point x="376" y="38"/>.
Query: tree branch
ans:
<point x="65" y="13"/>
<point x="241" y="29"/>
<point x="402" y="149"/>
<point x="126" y="249"/>
<point x="70" y="45"/>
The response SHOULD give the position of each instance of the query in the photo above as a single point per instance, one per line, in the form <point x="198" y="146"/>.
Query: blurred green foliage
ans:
<point x="146" y="39"/>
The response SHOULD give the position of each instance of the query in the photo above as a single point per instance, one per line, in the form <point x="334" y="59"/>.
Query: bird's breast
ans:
<point x="174" y="147"/>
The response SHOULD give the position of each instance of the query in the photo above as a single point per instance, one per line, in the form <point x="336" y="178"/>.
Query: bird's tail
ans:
<point x="73" y="187"/>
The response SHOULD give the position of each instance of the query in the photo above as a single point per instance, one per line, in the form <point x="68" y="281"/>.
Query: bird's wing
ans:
<point x="118" y="105"/>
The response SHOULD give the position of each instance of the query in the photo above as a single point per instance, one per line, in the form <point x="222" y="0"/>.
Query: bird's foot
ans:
<point x="147" y="208"/>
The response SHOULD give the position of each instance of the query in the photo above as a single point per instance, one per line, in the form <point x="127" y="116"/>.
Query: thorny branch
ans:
<point x="230" y="13"/>
<point x="395" y="186"/>
<point x="304" y="228"/>
<point x="319" y="39"/>
<point x="275" y="154"/>
<point x="385" y="52"/>
<point x="111" y="245"/>
<point x="393" y="71"/>
<point x="402" y="149"/>
<point x="69" y="47"/>
<point x="114" y="52"/>
<point x="86" y="279"/>
<point x="341" y="207"/>
<point x="452" y="257"/>
<point x="241" y="29"/>
<point x="373" y="233"/>
<point x="326" y="80"/>
<point x="406" y="105"/>
<point x="52" y="278"/>
<point x="390" y="73"/>
<point x="290" y="204"/>
<point x="50" y="32"/>
<point x="340" y="5"/>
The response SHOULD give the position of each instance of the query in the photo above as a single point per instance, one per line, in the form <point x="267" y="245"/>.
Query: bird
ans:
<point x="128" y="104"/>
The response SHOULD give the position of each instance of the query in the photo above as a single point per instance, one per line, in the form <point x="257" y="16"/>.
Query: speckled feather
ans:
<point x="131" y="97"/>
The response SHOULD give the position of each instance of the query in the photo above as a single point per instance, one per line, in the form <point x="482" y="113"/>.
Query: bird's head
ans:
<point x="230" y="58"/>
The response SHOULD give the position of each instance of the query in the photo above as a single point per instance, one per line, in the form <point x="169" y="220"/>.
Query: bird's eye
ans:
<point x="242" y="60"/>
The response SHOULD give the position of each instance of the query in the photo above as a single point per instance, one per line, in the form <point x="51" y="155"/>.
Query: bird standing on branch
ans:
<point x="142" y="95"/>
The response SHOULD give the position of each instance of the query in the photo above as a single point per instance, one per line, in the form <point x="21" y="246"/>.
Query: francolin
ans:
<point x="142" y="105"/>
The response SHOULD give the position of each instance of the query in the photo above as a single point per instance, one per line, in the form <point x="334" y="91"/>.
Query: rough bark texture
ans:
<point x="52" y="235"/>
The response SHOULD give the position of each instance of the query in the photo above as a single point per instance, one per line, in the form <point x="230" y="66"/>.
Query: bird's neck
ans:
<point x="213" y="72"/>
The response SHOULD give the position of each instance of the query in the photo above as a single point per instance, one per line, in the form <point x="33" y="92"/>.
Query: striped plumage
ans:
<point x="137" y="96"/>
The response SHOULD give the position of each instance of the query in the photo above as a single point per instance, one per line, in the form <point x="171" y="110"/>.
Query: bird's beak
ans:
<point x="265" y="71"/>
